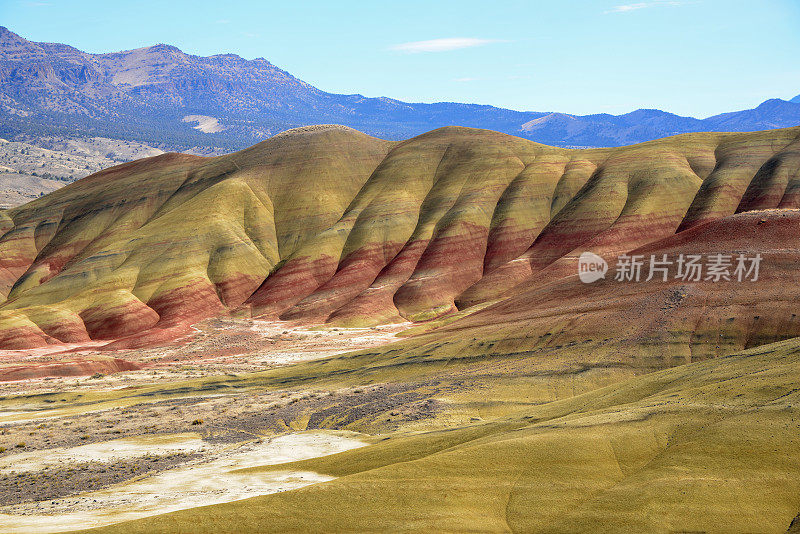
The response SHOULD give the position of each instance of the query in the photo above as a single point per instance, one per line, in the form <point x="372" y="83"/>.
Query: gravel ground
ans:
<point x="229" y="417"/>
<point x="70" y="480"/>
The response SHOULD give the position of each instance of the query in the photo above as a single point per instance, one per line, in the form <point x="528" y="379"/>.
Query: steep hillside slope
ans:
<point x="553" y="326"/>
<point x="328" y="224"/>
<point x="153" y="94"/>
<point x="163" y="96"/>
<point x="186" y="234"/>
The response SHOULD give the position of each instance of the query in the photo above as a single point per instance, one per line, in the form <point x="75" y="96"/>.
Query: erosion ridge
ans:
<point x="330" y="225"/>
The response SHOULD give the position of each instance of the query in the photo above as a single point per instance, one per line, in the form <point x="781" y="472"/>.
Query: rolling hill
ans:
<point x="328" y="225"/>
<point x="523" y="400"/>
<point x="705" y="447"/>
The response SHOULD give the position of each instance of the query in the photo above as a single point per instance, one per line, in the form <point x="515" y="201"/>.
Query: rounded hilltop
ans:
<point x="326" y="224"/>
<point x="313" y="128"/>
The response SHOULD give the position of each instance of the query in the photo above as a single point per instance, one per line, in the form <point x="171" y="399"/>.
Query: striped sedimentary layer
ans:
<point x="331" y="225"/>
<point x="560" y="326"/>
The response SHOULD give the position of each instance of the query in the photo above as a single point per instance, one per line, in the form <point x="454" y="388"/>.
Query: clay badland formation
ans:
<point x="328" y="225"/>
<point x="523" y="399"/>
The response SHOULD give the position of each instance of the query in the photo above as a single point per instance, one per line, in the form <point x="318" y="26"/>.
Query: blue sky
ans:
<point x="692" y="57"/>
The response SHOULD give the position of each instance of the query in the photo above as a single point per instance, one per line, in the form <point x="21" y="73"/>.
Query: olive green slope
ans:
<point x="158" y="243"/>
<point x="329" y="225"/>
<point x="706" y="447"/>
<point x="551" y="411"/>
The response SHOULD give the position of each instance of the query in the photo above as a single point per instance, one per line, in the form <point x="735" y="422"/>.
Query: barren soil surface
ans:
<point x="68" y="463"/>
<point x="162" y="485"/>
<point x="219" y="346"/>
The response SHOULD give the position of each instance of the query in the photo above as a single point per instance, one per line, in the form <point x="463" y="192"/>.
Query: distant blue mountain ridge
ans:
<point x="163" y="96"/>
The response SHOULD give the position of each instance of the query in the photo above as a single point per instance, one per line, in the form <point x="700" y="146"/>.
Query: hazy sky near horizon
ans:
<point x="691" y="57"/>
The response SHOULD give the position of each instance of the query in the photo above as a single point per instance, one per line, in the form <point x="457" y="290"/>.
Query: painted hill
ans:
<point x="552" y="326"/>
<point x="163" y="96"/>
<point x="326" y="224"/>
<point x="704" y="447"/>
<point x="525" y="400"/>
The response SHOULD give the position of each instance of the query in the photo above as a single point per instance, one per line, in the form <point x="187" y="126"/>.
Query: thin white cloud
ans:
<point x="625" y="8"/>
<point x="223" y="21"/>
<point x="441" y="45"/>
<point x="628" y="7"/>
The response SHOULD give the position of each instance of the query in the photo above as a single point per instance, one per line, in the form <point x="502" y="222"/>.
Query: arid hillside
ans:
<point x="161" y="95"/>
<point x="188" y="358"/>
<point x="31" y="168"/>
<point x="326" y="224"/>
